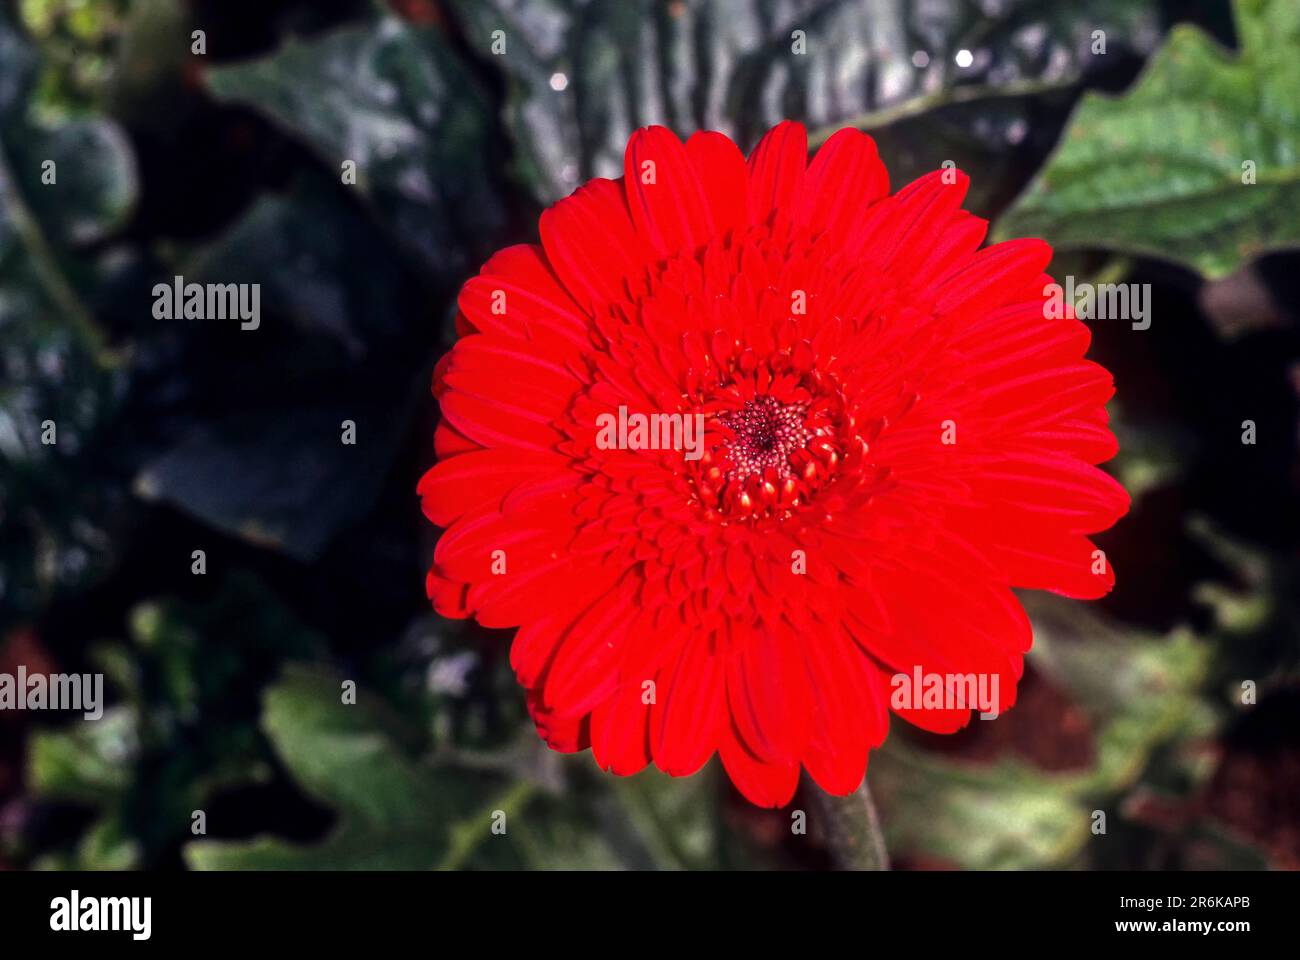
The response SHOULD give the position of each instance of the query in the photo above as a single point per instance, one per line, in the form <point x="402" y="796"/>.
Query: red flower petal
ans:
<point x="767" y="688"/>
<point x="776" y="170"/>
<point x="458" y="485"/>
<point x="896" y="432"/>
<point x="848" y="157"/>
<point x="763" y="784"/>
<point x="688" y="714"/>
<point x="668" y="204"/>
<point x="591" y="242"/>
<point x="724" y="177"/>
<point x="565" y="734"/>
<point x="620" y="739"/>
<point x="517" y="295"/>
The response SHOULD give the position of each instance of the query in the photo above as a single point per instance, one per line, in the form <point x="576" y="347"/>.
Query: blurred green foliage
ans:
<point x="56" y="368"/>
<point x="77" y="41"/>
<point x="1198" y="163"/>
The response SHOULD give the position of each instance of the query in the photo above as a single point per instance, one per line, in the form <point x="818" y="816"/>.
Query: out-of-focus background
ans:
<point x="1173" y="706"/>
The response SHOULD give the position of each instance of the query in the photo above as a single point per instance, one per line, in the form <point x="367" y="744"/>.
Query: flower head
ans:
<point x="893" y="432"/>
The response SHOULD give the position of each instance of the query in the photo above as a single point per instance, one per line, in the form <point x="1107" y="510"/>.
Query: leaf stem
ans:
<point x="851" y="827"/>
<point x="468" y="834"/>
<point x="945" y="97"/>
<point x="47" y="269"/>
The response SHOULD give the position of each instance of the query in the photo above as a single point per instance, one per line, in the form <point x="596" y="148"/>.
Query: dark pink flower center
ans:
<point x="767" y="432"/>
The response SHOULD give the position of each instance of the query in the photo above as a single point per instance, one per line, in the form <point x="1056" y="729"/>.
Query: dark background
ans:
<point x="181" y="435"/>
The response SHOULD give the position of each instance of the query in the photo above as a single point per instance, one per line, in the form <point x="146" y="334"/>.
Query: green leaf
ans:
<point x="673" y="816"/>
<point x="89" y="763"/>
<point x="394" y="812"/>
<point x="1159" y="170"/>
<point x="55" y="495"/>
<point x="108" y="846"/>
<point x="583" y="75"/>
<point x="995" y="817"/>
<point x="398" y="811"/>
<point x="270" y="465"/>
<point x="19" y="74"/>
<point x="1139" y="692"/>
<point x="394" y="101"/>
<point x="183" y="727"/>
<point x="280" y="477"/>
<point x="320" y="263"/>
<point x="96" y="186"/>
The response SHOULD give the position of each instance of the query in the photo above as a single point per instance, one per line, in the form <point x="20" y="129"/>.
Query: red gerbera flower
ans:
<point x="896" y="433"/>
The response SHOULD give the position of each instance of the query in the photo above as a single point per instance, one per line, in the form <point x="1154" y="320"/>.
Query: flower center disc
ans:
<point x="777" y="452"/>
<point x="767" y="432"/>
